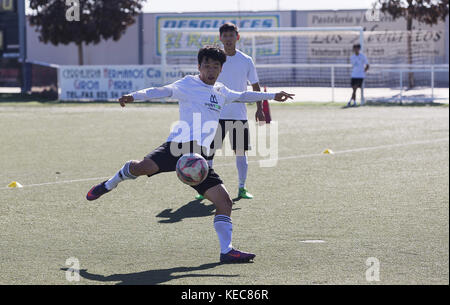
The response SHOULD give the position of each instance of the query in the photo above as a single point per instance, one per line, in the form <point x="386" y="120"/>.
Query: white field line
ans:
<point x="347" y="151"/>
<point x="355" y="150"/>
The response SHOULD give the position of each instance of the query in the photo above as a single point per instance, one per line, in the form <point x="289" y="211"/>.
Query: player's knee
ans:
<point x="150" y="166"/>
<point x="227" y="204"/>
<point x="224" y="206"/>
<point x="144" y="167"/>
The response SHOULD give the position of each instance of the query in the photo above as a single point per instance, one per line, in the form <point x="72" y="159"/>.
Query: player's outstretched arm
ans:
<point x="252" y="96"/>
<point x="146" y="94"/>
<point x="283" y="96"/>
<point x="125" y="99"/>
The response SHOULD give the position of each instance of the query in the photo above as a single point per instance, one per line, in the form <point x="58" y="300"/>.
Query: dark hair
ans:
<point x="227" y="27"/>
<point x="212" y="52"/>
<point x="357" y="45"/>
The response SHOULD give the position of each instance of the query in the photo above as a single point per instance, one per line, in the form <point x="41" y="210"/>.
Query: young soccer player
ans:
<point x="360" y="66"/>
<point x="237" y="72"/>
<point x="199" y="97"/>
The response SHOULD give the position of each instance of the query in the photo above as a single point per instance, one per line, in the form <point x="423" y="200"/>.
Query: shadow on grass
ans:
<point x="192" y="209"/>
<point x="151" y="277"/>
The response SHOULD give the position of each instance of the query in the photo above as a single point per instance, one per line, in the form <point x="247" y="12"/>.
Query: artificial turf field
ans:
<point x="384" y="194"/>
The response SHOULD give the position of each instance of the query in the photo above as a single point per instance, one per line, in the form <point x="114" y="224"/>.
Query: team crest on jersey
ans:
<point x="213" y="99"/>
<point x="213" y="103"/>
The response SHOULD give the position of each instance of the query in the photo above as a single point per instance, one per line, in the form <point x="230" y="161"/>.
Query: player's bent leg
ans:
<point x="130" y="171"/>
<point x="224" y="227"/>
<point x="353" y="98"/>
<point x="215" y="144"/>
<point x="221" y="199"/>
<point x="145" y="167"/>
<point x="209" y="159"/>
<point x="354" y="94"/>
<point x="242" y="167"/>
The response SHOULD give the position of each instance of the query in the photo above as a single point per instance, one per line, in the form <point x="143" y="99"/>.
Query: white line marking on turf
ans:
<point x="346" y="151"/>
<point x="253" y="161"/>
<point x="313" y="241"/>
<point x="59" y="182"/>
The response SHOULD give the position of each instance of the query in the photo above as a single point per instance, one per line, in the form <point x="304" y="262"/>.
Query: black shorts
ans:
<point x="167" y="159"/>
<point x="238" y="134"/>
<point x="357" y="82"/>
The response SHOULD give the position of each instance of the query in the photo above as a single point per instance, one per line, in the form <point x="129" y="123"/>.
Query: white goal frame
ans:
<point x="287" y="31"/>
<point x="253" y="33"/>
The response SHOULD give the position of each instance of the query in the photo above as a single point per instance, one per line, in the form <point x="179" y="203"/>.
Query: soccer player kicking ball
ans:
<point x="237" y="71"/>
<point x="360" y="65"/>
<point x="199" y="97"/>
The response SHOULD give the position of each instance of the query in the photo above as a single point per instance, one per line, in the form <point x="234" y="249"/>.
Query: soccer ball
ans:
<point x="192" y="169"/>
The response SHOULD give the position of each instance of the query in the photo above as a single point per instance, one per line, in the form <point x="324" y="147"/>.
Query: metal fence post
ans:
<point x="332" y="83"/>
<point x="432" y="83"/>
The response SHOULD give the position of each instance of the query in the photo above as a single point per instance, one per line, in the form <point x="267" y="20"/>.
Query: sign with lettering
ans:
<point x="180" y="44"/>
<point x="102" y="83"/>
<point x="384" y="37"/>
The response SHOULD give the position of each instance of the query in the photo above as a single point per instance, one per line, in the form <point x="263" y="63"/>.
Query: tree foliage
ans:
<point x="99" y="20"/>
<point x="424" y="11"/>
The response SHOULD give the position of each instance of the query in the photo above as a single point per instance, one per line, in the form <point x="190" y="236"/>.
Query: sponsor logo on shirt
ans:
<point x="213" y="104"/>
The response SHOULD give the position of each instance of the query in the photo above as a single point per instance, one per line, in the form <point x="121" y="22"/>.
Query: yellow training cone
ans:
<point x="328" y="152"/>
<point x="15" y="184"/>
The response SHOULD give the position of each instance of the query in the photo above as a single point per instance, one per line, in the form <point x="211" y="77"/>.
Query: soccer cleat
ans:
<point x="243" y="193"/>
<point x="97" y="191"/>
<point x="236" y="256"/>
<point x="199" y="197"/>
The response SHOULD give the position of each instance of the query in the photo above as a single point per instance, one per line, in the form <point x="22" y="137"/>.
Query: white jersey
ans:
<point x="199" y="106"/>
<point x="359" y="63"/>
<point x="237" y="71"/>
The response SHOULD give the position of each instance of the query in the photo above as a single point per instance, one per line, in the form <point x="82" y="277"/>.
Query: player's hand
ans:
<point x="126" y="99"/>
<point x="283" y="96"/>
<point x="259" y="116"/>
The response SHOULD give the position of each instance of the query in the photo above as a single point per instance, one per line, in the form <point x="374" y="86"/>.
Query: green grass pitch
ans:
<point x="384" y="194"/>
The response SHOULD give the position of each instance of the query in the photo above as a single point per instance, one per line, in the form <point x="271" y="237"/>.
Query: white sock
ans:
<point x="242" y="166"/>
<point x="224" y="229"/>
<point x="121" y="175"/>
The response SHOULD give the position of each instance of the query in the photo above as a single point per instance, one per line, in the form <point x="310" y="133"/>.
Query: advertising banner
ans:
<point x="180" y="44"/>
<point x="101" y="83"/>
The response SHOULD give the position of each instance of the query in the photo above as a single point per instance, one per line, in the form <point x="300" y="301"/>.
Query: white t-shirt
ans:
<point x="359" y="63"/>
<point x="200" y="106"/>
<point x="237" y="71"/>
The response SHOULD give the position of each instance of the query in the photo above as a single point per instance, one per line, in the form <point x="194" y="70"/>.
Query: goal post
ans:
<point x="313" y="60"/>
<point x="284" y="57"/>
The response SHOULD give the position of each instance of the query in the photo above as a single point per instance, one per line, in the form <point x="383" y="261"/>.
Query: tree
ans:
<point x="424" y="11"/>
<point x="98" y="19"/>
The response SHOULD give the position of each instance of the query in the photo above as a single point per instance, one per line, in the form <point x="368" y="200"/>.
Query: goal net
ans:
<point x="315" y="62"/>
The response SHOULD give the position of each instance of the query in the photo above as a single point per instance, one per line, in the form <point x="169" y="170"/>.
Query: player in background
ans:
<point x="360" y="66"/>
<point x="199" y="97"/>
<point x="237" y="72"/>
